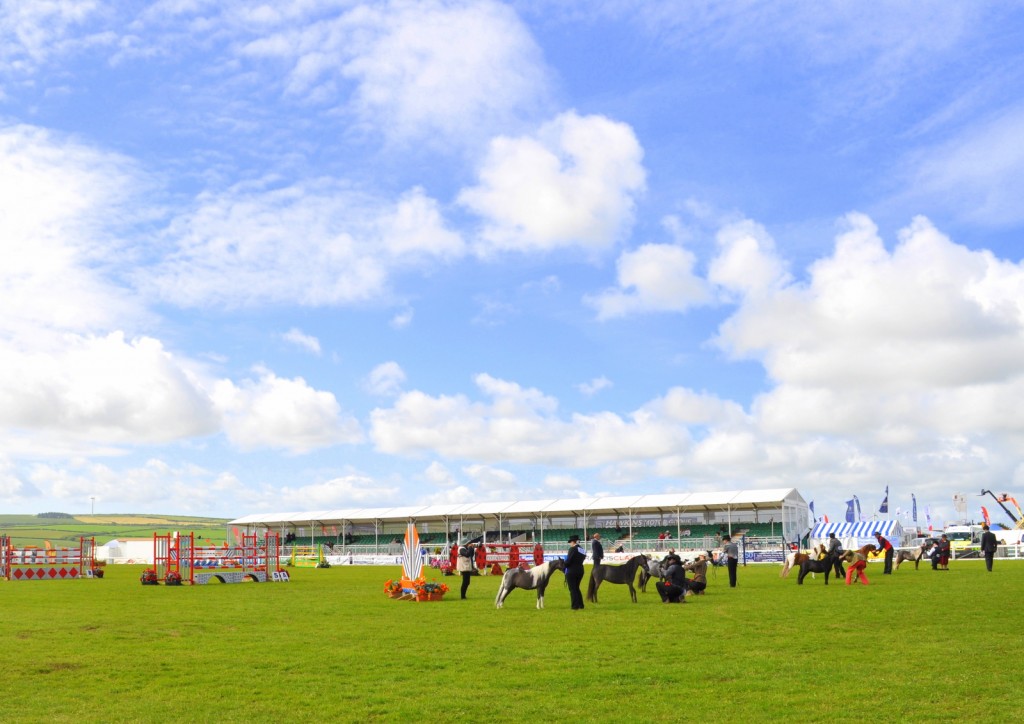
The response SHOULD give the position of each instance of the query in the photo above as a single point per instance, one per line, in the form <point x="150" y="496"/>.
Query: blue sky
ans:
<point x="307" y="255"/>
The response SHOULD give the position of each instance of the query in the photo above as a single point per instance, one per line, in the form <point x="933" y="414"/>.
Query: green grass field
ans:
<point x="329" y="646"/>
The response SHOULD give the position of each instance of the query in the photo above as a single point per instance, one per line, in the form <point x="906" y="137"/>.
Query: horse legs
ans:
<point x="803" y="574"/>
<point x="644" y="578"/>
<point x="632" y="592"/>
<point x="499" y="600"/>
<point x="592" y="588"/>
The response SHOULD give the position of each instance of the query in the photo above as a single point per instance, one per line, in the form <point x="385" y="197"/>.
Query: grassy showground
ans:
<point x="329" y="646"/>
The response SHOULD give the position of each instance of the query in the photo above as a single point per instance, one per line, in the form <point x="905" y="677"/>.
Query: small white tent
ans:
<point x="855" y="535"/>
<point x="126" y="550"/>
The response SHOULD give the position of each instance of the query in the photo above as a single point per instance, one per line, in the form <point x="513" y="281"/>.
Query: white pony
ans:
<point x="535" y="578"/>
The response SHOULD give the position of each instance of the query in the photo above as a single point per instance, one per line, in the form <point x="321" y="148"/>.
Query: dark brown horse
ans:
<point x="626" y="573"/>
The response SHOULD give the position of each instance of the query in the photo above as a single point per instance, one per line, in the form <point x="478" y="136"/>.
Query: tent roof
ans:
<point x="655" y="503"/>
<point x="863" y="529"/>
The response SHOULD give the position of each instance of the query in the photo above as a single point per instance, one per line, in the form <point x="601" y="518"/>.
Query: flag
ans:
<point x="885" y="502"/>
<point x="849" y="510"/>
<point x="813" y="517"/>
<point x="914" y="500"/>
<point x="984" y="514"/>
<point x="826" y="518"/>
<point x="856" y="500"/>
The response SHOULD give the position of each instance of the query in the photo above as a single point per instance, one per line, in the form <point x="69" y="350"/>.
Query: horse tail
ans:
<point x="592" y="589"/>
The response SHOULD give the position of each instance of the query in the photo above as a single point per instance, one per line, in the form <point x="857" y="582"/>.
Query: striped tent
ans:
<point x="863" y="532"/>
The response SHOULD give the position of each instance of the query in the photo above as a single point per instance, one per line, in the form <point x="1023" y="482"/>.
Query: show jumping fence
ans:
<point x="47" y="564"/>
<point x="176" y="558"/>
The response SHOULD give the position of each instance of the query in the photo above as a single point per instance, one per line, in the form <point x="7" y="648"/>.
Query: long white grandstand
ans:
<point x="780" y="513"/>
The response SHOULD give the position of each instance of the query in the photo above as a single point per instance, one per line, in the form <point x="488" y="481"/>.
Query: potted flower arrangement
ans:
<point x="429" y="590"/>
<point x="97" y="568"/>
<point x="148" y="577"/>
<point x="173" y="579"/>
<point x="393" y="589"/>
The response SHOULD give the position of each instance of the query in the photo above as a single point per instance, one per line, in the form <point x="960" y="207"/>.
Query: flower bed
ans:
<point x="422" y="590"/>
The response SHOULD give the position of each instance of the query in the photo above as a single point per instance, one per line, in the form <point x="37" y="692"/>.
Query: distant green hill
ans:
<point x="30" y="530"/>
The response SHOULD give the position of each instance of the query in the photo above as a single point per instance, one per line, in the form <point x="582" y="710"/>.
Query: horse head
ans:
<point x="557" y="564"/>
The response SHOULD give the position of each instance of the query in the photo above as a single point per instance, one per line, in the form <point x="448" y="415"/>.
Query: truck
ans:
<point x="963" y="537"/>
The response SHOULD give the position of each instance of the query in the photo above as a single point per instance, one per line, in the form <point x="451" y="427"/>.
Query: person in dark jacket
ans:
<point x="596" y="549"/>
<point x="885" y="547"/>
<point x="944" y="552"/>
<point x="574" y="572"/>
<point x="464" y="565"/>
<point x="835" y="551"/>
<point x="673" y="588"/>
<point x="732" y="558"/>
<point x="988" y="546"/>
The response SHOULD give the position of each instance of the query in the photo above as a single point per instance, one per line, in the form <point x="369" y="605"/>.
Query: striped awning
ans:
<point x="863" y="529"/>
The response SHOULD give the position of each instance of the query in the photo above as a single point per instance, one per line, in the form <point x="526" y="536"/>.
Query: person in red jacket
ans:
<point x="885" y="547"/>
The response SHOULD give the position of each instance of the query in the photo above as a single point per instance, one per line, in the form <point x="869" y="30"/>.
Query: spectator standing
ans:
<point x="732" y="558"/>
<point x="988" y="546"/>
<point x="465" y="565"/>
<point x="574" y="572"/>
<point x="885" y="547"/>
<point x="835" y="550"/>
<point x="596" y="549"/>
<point x="944" y="550"/>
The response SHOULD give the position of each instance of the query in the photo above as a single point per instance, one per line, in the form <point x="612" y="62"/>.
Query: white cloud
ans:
<point x="300" y="339"/>
<point x="518" y="425"/>
<point x="423" y="70"/>
<point x="573" y="184"/>
<point x="313" y="243"/>
<point x="746" y="262"/>
<point x="978" y="174"/>
<point x="283" y="413"/>
<point x="31" y="31"/>
<point x="652" y="278"/>
<point x="103" y="389"/>
<point x="439" y="475"/>
<point x="12" y="486"/>
<point x="403" y="318"/>
<point x="60" y="204"/>
<point x="338" y="492"/>
<point x="492" y="480"/>
<point x="156" y="484"/>
<point x="589" y="389"/>
<point x="386" y="379"/>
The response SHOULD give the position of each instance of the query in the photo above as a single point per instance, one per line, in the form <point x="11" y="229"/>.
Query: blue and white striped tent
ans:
<point x="863" y="532"/>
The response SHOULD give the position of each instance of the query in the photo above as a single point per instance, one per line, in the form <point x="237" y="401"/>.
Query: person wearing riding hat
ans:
<point x="732" y="558"/>
<point x="673" y="588"/>
<point x="574" y="572"/>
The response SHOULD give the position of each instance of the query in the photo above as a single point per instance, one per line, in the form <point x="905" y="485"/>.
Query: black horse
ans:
<point x="824" y="565"/>
<point x="626" y="573"/>
<point x="537" y="577"/>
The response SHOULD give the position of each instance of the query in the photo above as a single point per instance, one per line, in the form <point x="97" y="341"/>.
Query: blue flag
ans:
<point x="913" y="500"/>
<point x="885" y="502"/>
<point x="856" y="500"/>
<point x="813" y="517"/>
<point x="849" y="510"/>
